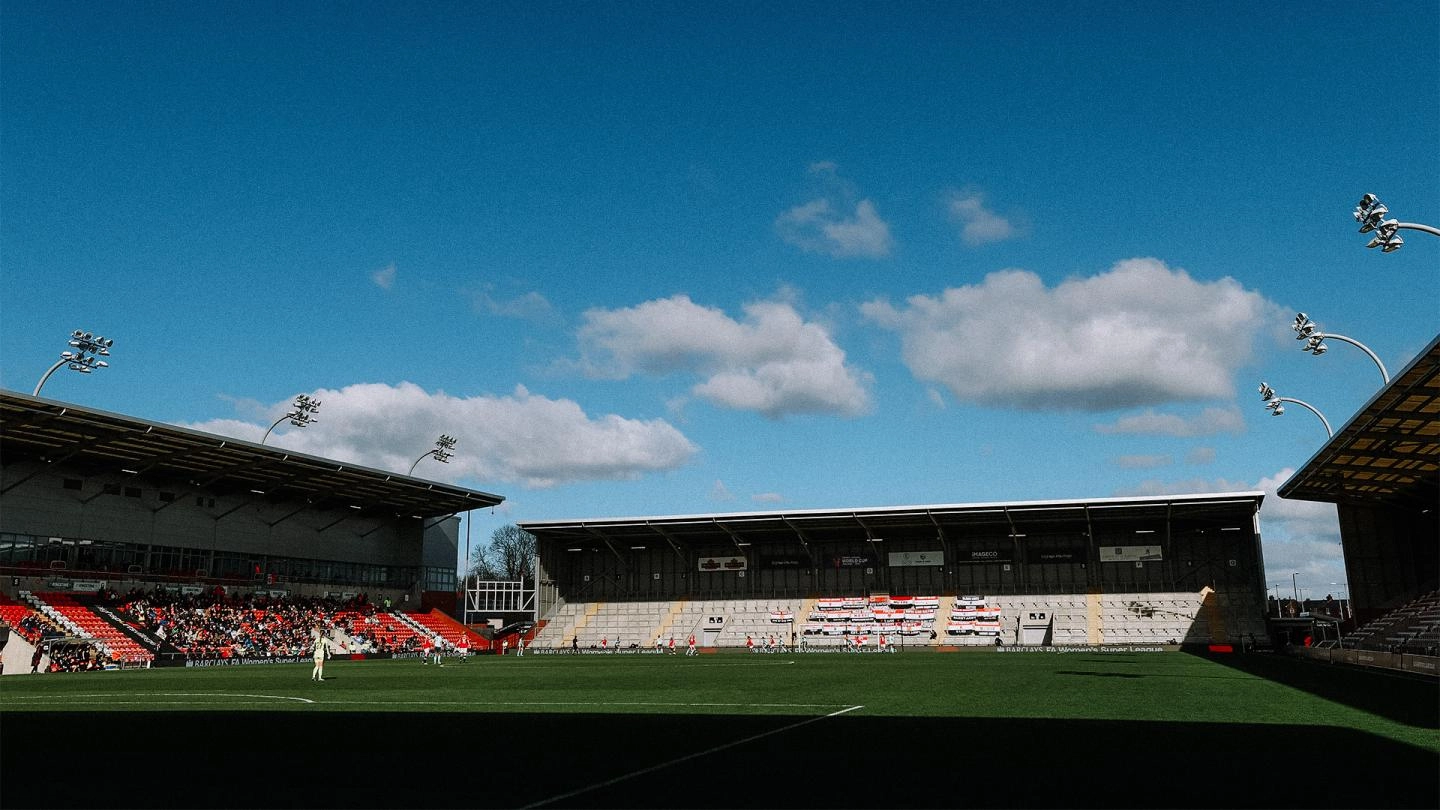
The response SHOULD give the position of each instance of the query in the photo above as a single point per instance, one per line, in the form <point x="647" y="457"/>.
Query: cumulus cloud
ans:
<point x="978" y="224"/>
<point x="1296" y="536"/>
<point x="773" y="361"/>
<point x="1138" y="334"/>
<point x="767" y="497"/>
<point x="384" y="278"/>
<point x="836" y="223"/>
<point x="1152" y="423"/>
<point x="521" y="438"/>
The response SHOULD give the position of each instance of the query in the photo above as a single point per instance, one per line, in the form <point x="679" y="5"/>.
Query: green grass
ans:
<point x="1078" y="686"/>
<point x="597" y="726"/>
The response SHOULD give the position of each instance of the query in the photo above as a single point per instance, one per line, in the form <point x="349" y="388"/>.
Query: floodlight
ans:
<point x="1372" y="218"/>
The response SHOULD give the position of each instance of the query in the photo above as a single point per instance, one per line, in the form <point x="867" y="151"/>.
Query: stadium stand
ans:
<point x="79" y="620"/>
<point x="20" y="618"/>
<point x="436" y="623"/>
<point x="1412" y="628"/>
<point x="1168" y="618"/>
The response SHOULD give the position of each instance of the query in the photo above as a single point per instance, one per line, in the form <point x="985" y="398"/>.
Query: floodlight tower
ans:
<point x="442" y="451"/>
<point x="1272" y="403"/>
<point x="1370" y="213"/>
<point x="1308" y="331"/>
<point x="304" y="414"/>
<point x="85" y="359"/>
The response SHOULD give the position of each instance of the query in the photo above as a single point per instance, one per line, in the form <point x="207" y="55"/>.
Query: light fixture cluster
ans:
<point x="305" y="410"/>
<point x="1272" y="402"/>
<point x="89" y="348"/>
<point x="1370" y="213"/>
<point x="1306" y="330"/>
<point x="443" y="447"/>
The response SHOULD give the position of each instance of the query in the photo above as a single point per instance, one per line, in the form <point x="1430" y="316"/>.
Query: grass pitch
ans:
<point x="728" y="730"/>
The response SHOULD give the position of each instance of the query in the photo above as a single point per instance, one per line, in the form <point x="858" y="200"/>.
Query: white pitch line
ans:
<point x="68" y="698"/>
<point x="688" y="757"/>
<point x="601" y="703"/>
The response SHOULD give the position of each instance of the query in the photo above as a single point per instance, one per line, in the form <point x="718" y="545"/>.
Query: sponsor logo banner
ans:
<point x="783" y="562"/>
<point x="903" y="559"/>
<point x="1056" y="555"/>
<point x="1130" y="554"/>
<point x="851" y="561"/>
<point x="717" y="564"/>
<point x="985" y="555"/>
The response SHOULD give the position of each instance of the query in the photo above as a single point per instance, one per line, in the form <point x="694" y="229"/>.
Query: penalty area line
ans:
<point x="688" y="757"/>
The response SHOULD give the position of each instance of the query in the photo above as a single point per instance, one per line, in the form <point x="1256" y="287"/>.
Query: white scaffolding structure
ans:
<point x="509" y="600"/>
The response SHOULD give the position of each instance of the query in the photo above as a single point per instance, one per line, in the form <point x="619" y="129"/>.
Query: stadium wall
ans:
<point x="108" y="523"/>
<point x="1021" y="549"/>
<point x="1392" y="555"/>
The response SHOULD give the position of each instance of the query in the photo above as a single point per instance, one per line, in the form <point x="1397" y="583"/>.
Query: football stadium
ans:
<point x="192" y="619"/>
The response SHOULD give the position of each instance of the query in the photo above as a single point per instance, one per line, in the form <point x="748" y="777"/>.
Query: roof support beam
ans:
<point x="734" y="538"/>
<point x="800" y="535"/>
<point x="288" y="515"/>
<point x="668" y="539"/>
<point x="40" y="469"/>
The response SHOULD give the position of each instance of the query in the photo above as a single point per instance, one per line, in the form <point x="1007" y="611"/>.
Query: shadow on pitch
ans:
<point x="385" y="759"/>
<point x="1402" y="697"/>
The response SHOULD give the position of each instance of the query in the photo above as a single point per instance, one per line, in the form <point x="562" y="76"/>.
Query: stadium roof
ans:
<point x="1219" y="510"/>
<point x="1389" y="452"/>
<point x="32" y="428"/>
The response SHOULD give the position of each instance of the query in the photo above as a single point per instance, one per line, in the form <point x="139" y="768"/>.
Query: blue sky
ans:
<point x="670" y="258"/>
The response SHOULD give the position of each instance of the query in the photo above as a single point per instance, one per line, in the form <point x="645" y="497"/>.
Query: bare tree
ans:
<point x="513" y="550"/>
<point x="508" y="556"/>
<point x="483" y="563"/>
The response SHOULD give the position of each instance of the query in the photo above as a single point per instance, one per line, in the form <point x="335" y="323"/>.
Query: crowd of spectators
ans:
<point x="370" y="633"/>
<point x="35" y="627"/>
<point x="74" y="658"/>
<point x="213" y="624"/>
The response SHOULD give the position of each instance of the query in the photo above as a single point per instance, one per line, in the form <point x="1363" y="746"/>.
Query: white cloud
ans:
<point x="720" y="492"/>
<point x="772" y="362"/>
<point x="767" y="497"/>
<point x="530" y="306"/>
<point x="816" y="227"/>
<point x="1140" y="462"/>
<point x="384" y="278"/>
<point x="1200" y="455"/>
<point x="1296" y="536"/>
<point x="1138" y="334"/>
<point x="1152" y="423"/>
<point x="978" y="224"/>
<point x="825" y="224"/>
<point x="521" y="438"/>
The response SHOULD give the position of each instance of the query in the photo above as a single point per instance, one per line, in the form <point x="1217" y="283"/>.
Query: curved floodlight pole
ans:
<point x="442" y="452"/>
<point x="62" y="361"/>
<point x="1370" y="213"/>
<point x="1272" y="403"/>
<point x="305" y="409"/>
<point x="1307" y="330"/>
<point x="85" y="359"/>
